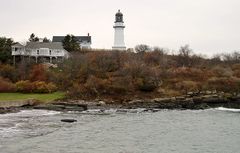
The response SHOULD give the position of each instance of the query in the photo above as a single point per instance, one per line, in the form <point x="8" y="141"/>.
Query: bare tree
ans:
<point x="142" y="48"/>
<point x="184" y="58"/>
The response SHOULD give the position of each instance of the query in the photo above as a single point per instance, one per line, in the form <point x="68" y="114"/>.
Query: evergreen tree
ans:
<point x="70" y="43"/>
<point x="46" y="40"/>
<point x="5" y="49"/>
<point x="33" y="38"/>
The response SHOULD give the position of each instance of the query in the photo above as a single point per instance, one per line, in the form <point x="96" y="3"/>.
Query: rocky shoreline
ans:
<point x="190" y="101"/>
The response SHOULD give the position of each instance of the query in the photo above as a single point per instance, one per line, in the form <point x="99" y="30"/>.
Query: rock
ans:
<point x="102" y="103"/>
<point x="135" y="101"/>
<point x="68" y="120"/>
<point x="33" y="102"/>
<point x="202" y="106"/>
<point x="163" y="100"/>
<point x="208" y="92"/>
<point x="187" y="103"/>
<point x="215" y="96"/>
<point x="8" y="110"/>
<point x="197" y="100"/>
<point x="180" y="98"/>
<point x="206" y="96"/>
<point x="214" y="92"/>
<point x="62" y="107"/>
<point x="121" y="111"/>
<point x="214" y="100"/>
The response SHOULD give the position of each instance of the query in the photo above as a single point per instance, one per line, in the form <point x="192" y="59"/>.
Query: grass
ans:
<point x="22" y="96"/>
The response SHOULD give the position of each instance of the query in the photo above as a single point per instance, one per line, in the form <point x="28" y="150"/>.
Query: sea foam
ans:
<point x="228" y="109"/>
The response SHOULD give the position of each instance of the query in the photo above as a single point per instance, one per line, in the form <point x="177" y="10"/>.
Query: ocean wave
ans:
<point x="30" y="113"/>
<point x="228" y="109"/>
<point x="114" y="111"/>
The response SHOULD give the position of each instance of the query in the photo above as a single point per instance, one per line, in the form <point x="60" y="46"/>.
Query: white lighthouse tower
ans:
<point x="119" y="32"/>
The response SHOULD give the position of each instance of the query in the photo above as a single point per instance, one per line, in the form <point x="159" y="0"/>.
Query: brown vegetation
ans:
<point x="115" y="74"/>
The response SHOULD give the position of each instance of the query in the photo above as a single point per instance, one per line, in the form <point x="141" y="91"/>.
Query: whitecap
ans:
<point x="228" y="109"/>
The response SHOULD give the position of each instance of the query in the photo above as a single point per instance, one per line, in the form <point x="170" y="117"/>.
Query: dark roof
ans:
<point x="79" y="38"/>
<point x="17" y="44"/>
<point x="50" y="45"/>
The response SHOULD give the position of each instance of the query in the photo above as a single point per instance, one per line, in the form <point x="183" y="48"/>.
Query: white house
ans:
<point x="44" y="51"/>
<point x="85" y="42"/>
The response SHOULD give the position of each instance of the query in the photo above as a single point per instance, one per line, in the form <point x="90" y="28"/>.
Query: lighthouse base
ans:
<point x="119" y="48"/>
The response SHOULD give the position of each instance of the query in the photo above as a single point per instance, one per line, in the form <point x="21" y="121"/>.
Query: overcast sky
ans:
<point x="208" y="26"/>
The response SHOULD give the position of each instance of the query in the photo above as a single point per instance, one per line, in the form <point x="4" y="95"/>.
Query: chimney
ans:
<point x="88" y="34"/>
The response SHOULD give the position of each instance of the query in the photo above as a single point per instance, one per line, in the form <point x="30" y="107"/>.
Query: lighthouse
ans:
<point x="119" y="32"/>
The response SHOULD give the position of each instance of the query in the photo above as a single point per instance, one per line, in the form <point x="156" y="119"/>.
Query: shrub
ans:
<point x="40" y="87"/>
<point x="38" y="73"/>
<point x="187" y="86"/>
<point x="24" y="86"/>
<point x="51" y="87"/>
<point x="119" y="85"/>
<point x="231" y="84"/>
<point x="220" y="71"/>
<point x="145" y="84"/>
<point x="104" y="61"/>
<point x="236" y="70"/>
<point x="146" y="79"/>
<point x="77" y="91"/>
<point x="96" y="86"/>
<point x="6" y="85"/>
<point x="193" y="74"/>
<point x="35" y="87"/>
<point x="8" y="71"/>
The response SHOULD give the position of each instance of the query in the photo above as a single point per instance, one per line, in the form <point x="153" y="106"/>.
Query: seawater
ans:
<point x="121" y="131"/>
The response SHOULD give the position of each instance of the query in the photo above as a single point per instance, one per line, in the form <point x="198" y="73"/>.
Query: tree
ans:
<point x="70" y="43"/>
<point x="33" y="38"/>
<point x="38" y="73"/>
<point x="142" y="48"/>
<point x="46" y="40"/>
<point x="5" y="49"/>
<point x="184" y="58"/>
<point x="231" y="58"/>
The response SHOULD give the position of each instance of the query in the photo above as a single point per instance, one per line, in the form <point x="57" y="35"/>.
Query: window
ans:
<point x="50" y="52"/>
<point x="16" y="49"/>
<point x="38" y="52"/>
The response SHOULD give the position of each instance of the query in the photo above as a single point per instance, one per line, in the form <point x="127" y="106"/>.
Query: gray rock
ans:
<point x="163" y="100"/>
<point x="68" y="120"/>
<point x="180" y="98"/>
<point x="208" y="92"/>
<point x="102" y="103"/>
<point x="190" y="93"/>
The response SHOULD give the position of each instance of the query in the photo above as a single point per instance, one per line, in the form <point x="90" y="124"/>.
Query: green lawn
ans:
<point x="21" y="96"/>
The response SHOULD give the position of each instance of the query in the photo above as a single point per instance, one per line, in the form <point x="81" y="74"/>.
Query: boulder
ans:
<point x="33" y="102"/>
<point x="180" y="98"/>
<point x="62" y="107"/>
<point x="102" y="103"/>
<point x="208" y="92"/>
<point x="68" y="120"/>
<point x="163" y="100"/>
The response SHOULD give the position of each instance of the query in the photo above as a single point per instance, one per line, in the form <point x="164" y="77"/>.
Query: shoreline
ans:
<point x="190" y="101"/>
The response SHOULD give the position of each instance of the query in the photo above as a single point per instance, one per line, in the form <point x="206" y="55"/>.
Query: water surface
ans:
<point x="135" y="131"/>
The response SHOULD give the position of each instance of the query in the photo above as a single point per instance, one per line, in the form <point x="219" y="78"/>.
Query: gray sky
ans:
<point x="208" y="26"/>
